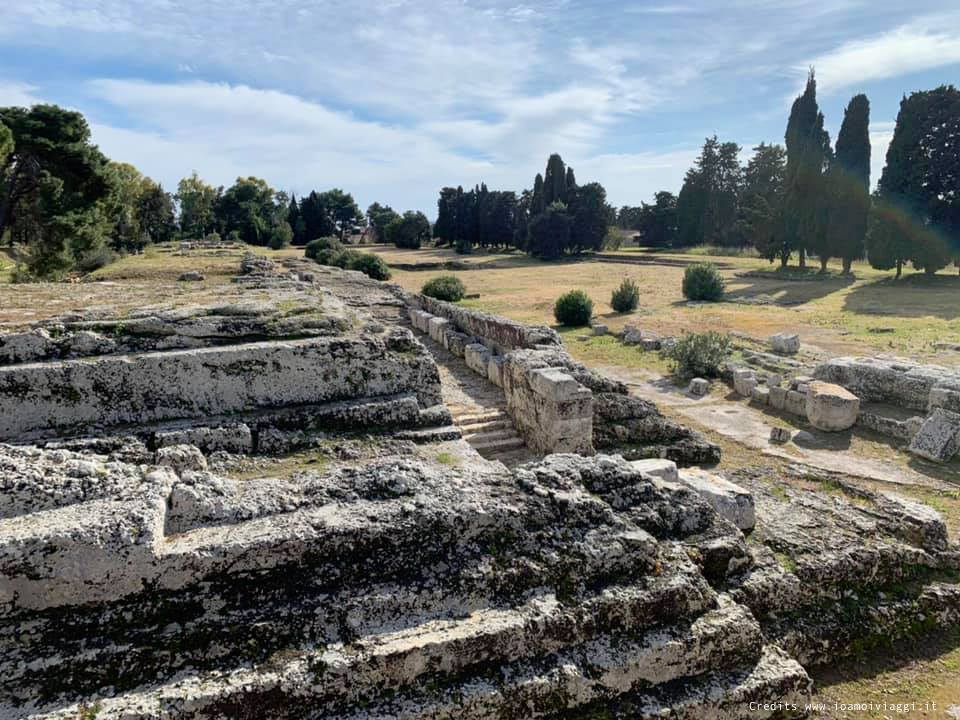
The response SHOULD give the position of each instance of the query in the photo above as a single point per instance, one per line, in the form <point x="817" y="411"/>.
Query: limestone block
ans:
<point x="830" y="407"/>
<point x="939" y="437"/>
<point x="731" y="501"/>
<point x="785" y="343"/>
<point x="650" y="343"/>
<point x="779" y="435"/>
<point x="477" y="357"/>
<point x="774" y="380"/>
<point x="744" y="381"/>
<point x="600" y="330"/>
<point x="181" y="457"/>
<point x="659" y="468"/>
<point x="495" y="370"/>
<point x="946" y="397"/>
<point x="699" y="387"/>
<point x="436" y="327"/>
<point x="795" y="403"/>
<point x="231" y="438"/>
<point x="555" y="384"/>
<point x="760" y="395"/>
<point x="26" y="346"/>
<point x="85" y="342"/>
<point x="191" y="277"/>
<point x="777" y="397"/>
<point x="420" y="320"/>
<point x="456" y="342"/>
<point x="800" y="381"/>
<point x="632" y="335"/>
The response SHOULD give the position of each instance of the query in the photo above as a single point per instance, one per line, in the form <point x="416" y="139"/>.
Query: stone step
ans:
<point x="479" y="418"/>
<point x="498" y="445"/>
<point x="484" y="436"/>
<point x="476" y="427"/>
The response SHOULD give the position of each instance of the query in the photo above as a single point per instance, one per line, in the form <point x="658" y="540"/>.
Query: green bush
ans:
<point x="444" y="287"/>
<point x="321" y="245"/>
<point x="698" y="354"/>
<point x="626" y="297"/>
<point x="702" y="282"/>
<point x="573" y="308"/>
<point x="96" y="259"/>
<point x="370" y="265"/>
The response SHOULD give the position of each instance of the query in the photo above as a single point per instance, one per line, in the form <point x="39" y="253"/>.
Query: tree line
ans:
<point x="808" y="197"/>
<point x="65" y="206"/>
<point x="557" y="217"/>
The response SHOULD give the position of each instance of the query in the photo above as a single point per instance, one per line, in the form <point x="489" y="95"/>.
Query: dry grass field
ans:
<point x="866" y="314"/>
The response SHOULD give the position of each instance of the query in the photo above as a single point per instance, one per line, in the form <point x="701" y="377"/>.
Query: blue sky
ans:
<point x="393" y="99"/>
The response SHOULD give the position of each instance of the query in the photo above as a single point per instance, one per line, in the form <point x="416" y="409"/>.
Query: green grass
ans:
<point x="608" y="350"/>
<point x="445" y="458"/>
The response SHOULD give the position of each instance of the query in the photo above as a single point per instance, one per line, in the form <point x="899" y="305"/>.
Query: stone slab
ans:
<point x="831" y="407"/>
<point x="731" y="501"/>
<point x="938" y="439"/>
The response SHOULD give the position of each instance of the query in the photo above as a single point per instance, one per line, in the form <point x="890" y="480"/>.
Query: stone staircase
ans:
<point x="490" y="432"/>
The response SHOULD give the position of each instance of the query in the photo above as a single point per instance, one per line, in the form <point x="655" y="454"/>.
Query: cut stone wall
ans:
<point x="555" y="403"/>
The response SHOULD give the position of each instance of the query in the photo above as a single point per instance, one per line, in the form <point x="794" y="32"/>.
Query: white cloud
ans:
<point x="910" y="48"/>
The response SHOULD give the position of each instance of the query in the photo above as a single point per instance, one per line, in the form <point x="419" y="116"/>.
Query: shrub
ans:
<point x="212" y="238"/>
<point x="698" y="354"/>
<point x="444" y="287"/>
<point x="702" y="282"/>
<point x="96" y="259"/>
<point x="322" y="246"/>
<point x="369" y="264"/>
<point x="573" y="308"/>
<point x="626" y="297"/>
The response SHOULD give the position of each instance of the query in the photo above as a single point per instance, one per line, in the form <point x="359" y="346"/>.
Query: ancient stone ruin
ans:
<point x="255" y="505"/>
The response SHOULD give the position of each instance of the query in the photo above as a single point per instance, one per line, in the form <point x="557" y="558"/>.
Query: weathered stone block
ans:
<point x="495" y="367"/>
<point x="830" y="407"/>
<point x="477" y="356"/>
<point x="600" y="330"/>
<point x="657" y="467"/>
<point x="556" y="385"/>
<point x="436" y="326"/>
<point x="731" y="501"/>
<point x="232" y="438"/>
<point x="760" y="395"/>
<point x="777" y="397"/>
<point x="650" y="344"/>
<point x="785" y="343"/>
<point x="699" y="387"/>
<point x="779" y="435"/>
<point x="795" y="403"/>
<point x="744" y="381"/>
<point x="939" y="437"/>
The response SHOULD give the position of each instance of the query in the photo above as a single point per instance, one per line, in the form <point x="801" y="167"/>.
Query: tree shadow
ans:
<point x="785" y="291"/>
<point x="914" y="295"/>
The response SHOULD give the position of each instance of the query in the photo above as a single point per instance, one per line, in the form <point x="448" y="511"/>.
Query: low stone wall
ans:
<point x="497" y="333"/>
<point x="891" y="381"/>
<point x="555" y="403"/>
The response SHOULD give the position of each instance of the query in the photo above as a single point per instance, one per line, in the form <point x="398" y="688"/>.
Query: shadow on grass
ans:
<point x="914" y="295"/>
<point x="787" y="291"/>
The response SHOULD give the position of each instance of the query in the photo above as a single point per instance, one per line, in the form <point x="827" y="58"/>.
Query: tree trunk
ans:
<point x="803" y="258"/>
<point x="899" y="269"/>
<point x="784" y="259"/>
<point x="823" y="264"/>
<point x="847" y="262"/>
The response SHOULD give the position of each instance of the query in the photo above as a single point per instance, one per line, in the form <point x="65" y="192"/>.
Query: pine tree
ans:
<point x="808" y="152"/>
<point x="848" y="184"/>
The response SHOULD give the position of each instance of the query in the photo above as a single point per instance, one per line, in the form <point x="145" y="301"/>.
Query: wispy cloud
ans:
<point x="909" y="48"/>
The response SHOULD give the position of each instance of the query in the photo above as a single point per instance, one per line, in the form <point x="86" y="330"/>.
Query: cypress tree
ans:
<point x="808" y="152"/>
<point x="555" y="181"/>
<point x="571" y="181"/>
<point x="539" y="203"/>
<point x="849" y="184"/>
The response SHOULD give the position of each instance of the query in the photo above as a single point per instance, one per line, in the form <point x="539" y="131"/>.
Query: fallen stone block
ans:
<point x="650" y="344"/>
<point x="699" y="387"/>
<point x="233" y="439"/>
<point x="938" y="439"/>
<point x="191" y="277"/>
<point x="830" y="407"/>
<point x="774" y="380"/>
<point x="731" y="501"/>
<point x="658" y="468"/>
<point x="600" y="330"/>
<point x="760" y="395"/>
<point x="180" y="458"/>
<point x="785" y="343"/>
<point x="779" y="435"/>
